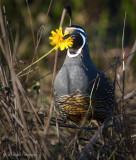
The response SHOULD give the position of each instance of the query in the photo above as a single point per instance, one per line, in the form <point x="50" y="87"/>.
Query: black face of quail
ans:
<point x="77" y="43"/>
<point x="80" y="89"/>
<point x="80" y="39"/>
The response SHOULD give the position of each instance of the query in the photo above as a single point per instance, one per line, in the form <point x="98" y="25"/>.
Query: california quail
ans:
<point x="79" y="87"/>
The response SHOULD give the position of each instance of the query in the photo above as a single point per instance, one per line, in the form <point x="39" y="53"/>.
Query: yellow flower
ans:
<point x="57" y="39"/>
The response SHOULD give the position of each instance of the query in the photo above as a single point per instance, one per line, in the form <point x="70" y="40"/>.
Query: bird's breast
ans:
<point x="72" y="78"/>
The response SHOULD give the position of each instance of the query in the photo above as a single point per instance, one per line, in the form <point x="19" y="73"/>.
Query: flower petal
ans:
<point x="58" y="41"/>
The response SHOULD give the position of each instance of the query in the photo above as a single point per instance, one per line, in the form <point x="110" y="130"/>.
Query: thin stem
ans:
<point x="115" y="76"/>
<point x="36" y="61"/>
<point x="46" y="126"/>
<point x="28" y="72"/>
<point x="123" y="54"/>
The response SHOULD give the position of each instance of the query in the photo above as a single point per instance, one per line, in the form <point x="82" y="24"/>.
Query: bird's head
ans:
<point x="79" y="41"/>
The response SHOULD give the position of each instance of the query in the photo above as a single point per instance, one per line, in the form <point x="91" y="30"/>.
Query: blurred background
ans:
<point x="27" y="31"/>
<point x="103" y="21"/>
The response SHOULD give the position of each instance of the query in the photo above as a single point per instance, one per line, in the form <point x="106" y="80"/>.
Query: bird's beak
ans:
<point x="70" y="32"/>
<point x="67" y="36"/>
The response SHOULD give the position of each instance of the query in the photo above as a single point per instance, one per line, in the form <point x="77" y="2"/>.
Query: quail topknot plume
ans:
<point x="80" y="89"/>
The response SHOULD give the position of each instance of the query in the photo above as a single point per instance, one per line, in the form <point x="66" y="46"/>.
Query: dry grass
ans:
<point x="29" y="132"/>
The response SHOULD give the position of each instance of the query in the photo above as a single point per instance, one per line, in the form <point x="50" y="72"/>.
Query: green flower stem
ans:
<point x="36" y="61"/>
<point x="27" y="72"/>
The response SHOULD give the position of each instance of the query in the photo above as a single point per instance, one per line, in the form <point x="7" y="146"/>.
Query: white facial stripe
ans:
<point x="79" y="29"/>
<point x="83" y="37"/>
<point x="79" y="50"/>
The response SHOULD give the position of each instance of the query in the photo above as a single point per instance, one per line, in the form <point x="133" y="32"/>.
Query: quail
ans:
<point x="80" y="88"/>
